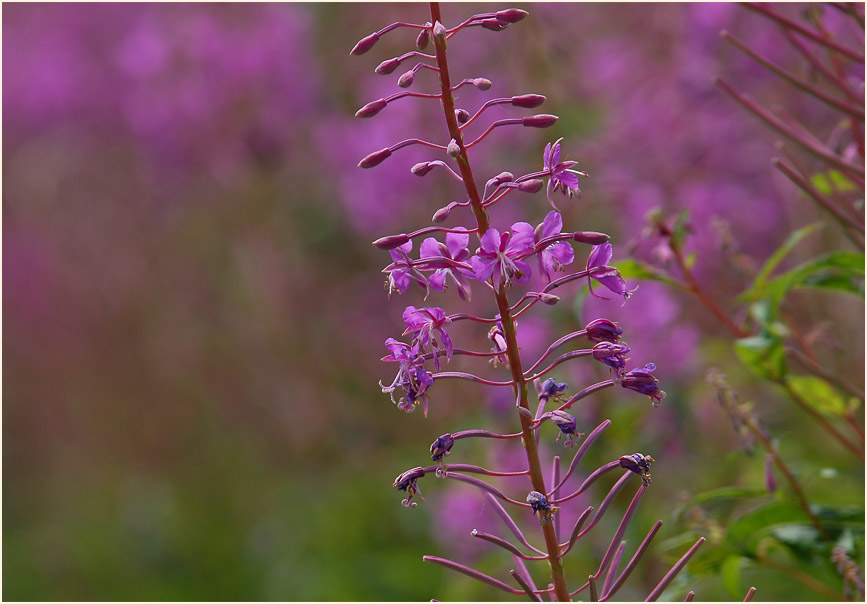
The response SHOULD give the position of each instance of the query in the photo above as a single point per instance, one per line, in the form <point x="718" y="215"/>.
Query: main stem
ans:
<point x="558" y="577"/>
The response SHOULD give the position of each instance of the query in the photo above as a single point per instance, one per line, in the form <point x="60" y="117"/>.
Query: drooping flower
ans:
<point x="500" y="256"/>
<point x="411" y="376"/>
<point x="568" y="425"/>
<point x="498" y="338"/>
<point x="612" y="354"/>
<point x="426" y="324"/>
<point x="557" y="255"/>
<point x="641" y="380"/>
<point x="610" y="277"/>
<point x="441" y="447"/>
<point x="401" y="272"/>
<point x="563" y="178"/>
<point x="408" y="481"/>
<point x="638" y="463"/>
<point x="603" y="330"/>
<point x="455" y="248"/>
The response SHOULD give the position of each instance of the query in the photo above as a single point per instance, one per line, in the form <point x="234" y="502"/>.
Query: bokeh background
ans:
<point x="193" y="314"/>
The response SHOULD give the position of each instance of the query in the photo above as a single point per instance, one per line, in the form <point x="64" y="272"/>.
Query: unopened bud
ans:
<point x="365" y="44"/>
<point x="386" y="67"/>
<point x="590" y="237"/>
<point x="406" y="80"/>
<point x="391" y="241"/>
<point x="453" y="149"/>
<point x="511" y="15"/>
<point x="542" y="120"/>
<point x="534" y="185"/>
<point x="375" y="158"/>
<point x="500" y="179"/>
<point x="603" y="330"/>
<point x="528" y="101"/>
<point x="482" y="83"/>
<point x="525" y="412"/>
<point x="549" y="299"/>
<point x="441" y="214"/>
<point x="494" y="24"/>
<point x="372" y="108"/>
<point x="422" y="168"/>
<point x="462" y="115"/>
<point x="439" y="30"/>
<point x="423" y="37"/>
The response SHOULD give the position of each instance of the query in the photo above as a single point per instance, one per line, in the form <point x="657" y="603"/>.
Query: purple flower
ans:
<point x="401" y="272"/>
<point x="455" y="248"/>
<point x="496" y="335"/>
<point x="638" y="463"/>
<point x="610" y="277"/>
<point x="567" y="424"/>
<point x="411" y="376"/>
<point x="500" y="255"/>
<point x="613" y="355"/>
<point x="557" y="255"/>
<point x="550" y="388"/>
<point x="642" y="381"/>
<point x="563" y="178"/>
<point x="426" y="323"/>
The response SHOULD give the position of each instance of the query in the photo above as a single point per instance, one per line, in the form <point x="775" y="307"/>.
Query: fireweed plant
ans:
<point x="498" y="263"/>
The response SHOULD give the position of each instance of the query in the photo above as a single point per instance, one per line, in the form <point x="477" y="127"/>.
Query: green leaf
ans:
<point x="831" y="182"/>
<point x="726" y="493"/>
<point x="819" y="394"/>
<point x="634" y="269"/>
<point x="730" y="575"/>
<point x="745" y="532"/>
<point x="840" y="271"/>
<point x="765" y="355"/>
<point x="756" y="289"/>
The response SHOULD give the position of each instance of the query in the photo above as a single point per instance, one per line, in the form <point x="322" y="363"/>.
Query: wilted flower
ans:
<point x="550" y="388"/>
<point x="442" y="446"/>
<point x="408" y="481"/>
<point x="411" y="376"/>
<point x="538" y="502"/>
<point x="642" y="381"/>
<point x="567" y="424"/>
<point x="612" y="354"/>
<point x="603" y="330"/>
<point x="638" y="463"/>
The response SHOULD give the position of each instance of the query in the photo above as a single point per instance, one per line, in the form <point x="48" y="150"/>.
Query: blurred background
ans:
<point x="193" y="313"/>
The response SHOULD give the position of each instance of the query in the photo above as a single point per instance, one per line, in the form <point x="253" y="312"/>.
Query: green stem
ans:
<point x="561" y="590"/>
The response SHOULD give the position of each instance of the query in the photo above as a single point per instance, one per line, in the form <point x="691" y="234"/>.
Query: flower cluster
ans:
<point x="502" y="265"/>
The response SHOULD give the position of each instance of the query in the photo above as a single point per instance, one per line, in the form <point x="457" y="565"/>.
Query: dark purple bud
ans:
<point x="543" y="120"/>
<point x="494" y="24"/>
<point x="638" y="463"/>
<point x="372" y="108"/>
<point x="441" y="447"/>
<point x="550" y="388"/>
<point x="482" y="83"/>
<point x="641" y="380"/>
<point x="391" y="241"/>
<point x="365" y="44"/>
<point x="406" y="80"/>
<point x="375" y="158"/>
<point x="613" y="355"/>
<point x="423" y="37"/>
<point x="537" y="501"/>
<point x="462" y="115"/>
<point x="453" y="148"/>
<point x="549" y="299"/>
<point x="422" y="168"/>
<point x="533" y="185"/>
<point x="590" y="237"/>
<point x="439" y="30"/>
<point x="603" y="330"/>
<point x="511" y="15"/>
<point x="528" y="101"/>
<point x="386" y="67"/>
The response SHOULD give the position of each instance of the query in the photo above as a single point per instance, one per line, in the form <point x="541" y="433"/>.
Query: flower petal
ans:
<point x="457" y="243"/>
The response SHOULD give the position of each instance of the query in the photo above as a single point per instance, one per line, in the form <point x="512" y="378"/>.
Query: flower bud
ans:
<point x="391" y="241"/>
<point x="603" y="330"/>
<point x="372" y="108"/>
<point x="441" y="447"/>
<point x="494" y="24"/>
<point x="500" y="179"/>
<point x="375" y="158"/>
<point x="534" y="185"/>
<point x="441" y="214"/>
<point x="365" y="44"/>
<point x="406" y="80"/>
<point x="511" y="15"/>
<point x="423" y="37"/>
<point x="422" y="168"/>
<point x="638" y="463"/>
<point x="482" y="83"/>
<point x="528" y="101"/>
<point x="453" y="149"/>
<point x="543" y="120"/>
<point x="462" y="115"/>
<point x="590" y="237"/>
<point x="537" y="501"/>
<point x="549" y="299"/>
<point x="386" y="67"/>
<point x="439" y="30"/>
